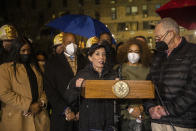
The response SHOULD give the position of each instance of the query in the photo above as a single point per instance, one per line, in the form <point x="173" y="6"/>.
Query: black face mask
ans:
<point x="25" y="58"/>
<point x="161" y="46"/>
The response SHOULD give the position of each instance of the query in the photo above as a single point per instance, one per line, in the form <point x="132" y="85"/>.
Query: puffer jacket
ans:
<point x="175" y="79"/>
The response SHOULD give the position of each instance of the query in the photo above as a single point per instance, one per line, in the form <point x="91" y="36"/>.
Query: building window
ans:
<point x="145" y="11"/>
<point x="113" y="1"/>
<point x="81" y="2"/>
<point x="147" y="25"/>
<point x="122" y="26"/>
<point x="157" y="6"/>
<point x="128" y="10"/>
<point x="34" y="4"/>
<point x="97" y="15"/>
<point x="113" y="11"/>
<point x="133" y="10"/>
<point x="133" y="26"/>
<point x="97" y="2"/>
<point x="64" y="3"/>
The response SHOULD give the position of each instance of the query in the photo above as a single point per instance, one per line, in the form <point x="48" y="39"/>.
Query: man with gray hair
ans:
<point x="173" y="71"/>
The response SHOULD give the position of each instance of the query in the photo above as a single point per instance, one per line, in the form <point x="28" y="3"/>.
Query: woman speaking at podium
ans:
<point x="94" y="114"/>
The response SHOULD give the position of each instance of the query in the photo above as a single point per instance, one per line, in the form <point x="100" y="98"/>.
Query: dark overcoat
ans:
<point x="57" y="76"/>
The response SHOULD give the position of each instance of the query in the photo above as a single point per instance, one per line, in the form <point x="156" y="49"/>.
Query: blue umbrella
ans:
<point x="82" y="25"/>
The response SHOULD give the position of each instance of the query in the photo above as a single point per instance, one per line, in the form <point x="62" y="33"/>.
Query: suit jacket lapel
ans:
<point x="65" y="65"/>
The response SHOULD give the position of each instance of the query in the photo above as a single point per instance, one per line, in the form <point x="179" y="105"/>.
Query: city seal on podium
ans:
<point x="120" y="89"/>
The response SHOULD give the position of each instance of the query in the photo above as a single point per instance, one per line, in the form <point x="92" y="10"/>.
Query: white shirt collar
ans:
<point x="68" y="55"/>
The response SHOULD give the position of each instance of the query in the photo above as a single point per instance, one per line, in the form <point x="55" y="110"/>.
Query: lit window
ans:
<point x="144" y="7"/>
<point x="134" y="26"/>
<point x="157" y="6"/>
<point x="145" y="11"/>
<point x="128" y="11"/>
<point x="133" y="10"/>
<point x="113" y="11"/>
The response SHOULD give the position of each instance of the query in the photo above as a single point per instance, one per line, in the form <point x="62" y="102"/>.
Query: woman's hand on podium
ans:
<point x="80" y="82"/>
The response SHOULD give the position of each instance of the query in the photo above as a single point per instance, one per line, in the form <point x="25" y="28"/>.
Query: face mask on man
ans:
<point x="25" y="58"/>
<point x="71" y="49"/>
<point x="161" y="46"/>
<point x="133" y="57"/>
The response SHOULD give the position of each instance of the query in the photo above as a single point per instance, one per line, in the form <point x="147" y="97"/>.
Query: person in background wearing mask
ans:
<point x="7" y="35"/>
<point x="173" y="71"/>
<point x="41" y="56"/>
<point x="135" y="67"/>
<point x="57" y="44"/>
<point x="59" y="70"/>
<point x="21" y="91"/>
<point x="105" y="39"/>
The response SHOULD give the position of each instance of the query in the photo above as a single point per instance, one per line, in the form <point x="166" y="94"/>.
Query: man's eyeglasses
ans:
<point x="159" y="38"/>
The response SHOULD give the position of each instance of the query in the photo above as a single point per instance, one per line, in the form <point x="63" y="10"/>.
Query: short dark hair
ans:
<point x="105" y="33"/>
<point x="94" y="47"/>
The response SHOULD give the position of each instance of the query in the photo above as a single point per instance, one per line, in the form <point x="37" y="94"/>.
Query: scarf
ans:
<point x="33" y="82"/>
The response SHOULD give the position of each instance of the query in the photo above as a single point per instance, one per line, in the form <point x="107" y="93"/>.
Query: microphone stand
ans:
<point x="116" y="116"/>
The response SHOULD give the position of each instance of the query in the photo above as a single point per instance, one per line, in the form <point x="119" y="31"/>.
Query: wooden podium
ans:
<point x="102" y="89"/>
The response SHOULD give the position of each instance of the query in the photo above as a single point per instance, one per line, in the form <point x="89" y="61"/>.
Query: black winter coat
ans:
<point x="57" y="76"/>
<point x="95" y="113"/>
<point x="175" y="77"/>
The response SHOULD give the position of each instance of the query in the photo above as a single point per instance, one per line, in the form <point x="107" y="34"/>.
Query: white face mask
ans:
<point x="133" y="57"/>
<point x="71" y="48"/>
